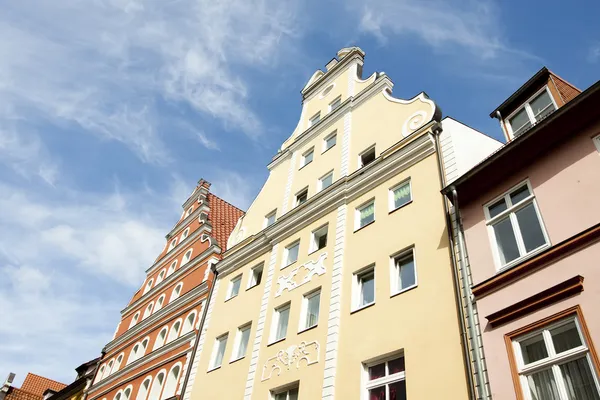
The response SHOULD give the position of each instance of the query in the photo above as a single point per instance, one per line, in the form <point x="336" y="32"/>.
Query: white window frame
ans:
<point x="232" y="282"/>
<point x="172" y="267"/>
<point x="304" y="162"/>
<point x="238" y="341"/>
<point x="161" y="276"/>
<point x="357" y="287"/>
<point x="296" y="200"/>
<point x="215" y="351"/>
<point x="185" y="259"/>
<point x="553" y="360"/>
<point x="311" y="120"/>
<point x="160" y="302"/>
<point x="528" y="110"/>
<point x="357" y="225"/>
<point x="302" y="326"/>
<point x="252" y="279"/>
<point x="172" y="244"/>
<point x="596" y="140"/>
<point x="336" y="100"/>
<point x="286" y="251"/>
<point x="272" y="214"/>
<point x="134" y="319"/>
<point x="286" y="389"/>
<point x="326" y="138"/>
<point x="148" y="286"/>
<point x="275" y="322"/>
<point x="175" y="293"/>
<point x="391" y="202"/>
<point x="321" y="179"/>
<point x="512" y="209"/>
<point x="315" y="235"/>
<point x="185" y="234"/>
<point x="385" y="380"/>
<point x="148" y="310"/>
<point x="189" y="211"/>
<point x="394" y="271"/>
<point x="365" y="151"/>
<point x="160" y="342"/>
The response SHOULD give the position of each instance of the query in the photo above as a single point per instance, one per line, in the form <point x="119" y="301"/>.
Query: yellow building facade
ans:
<point x="338" y="281"/>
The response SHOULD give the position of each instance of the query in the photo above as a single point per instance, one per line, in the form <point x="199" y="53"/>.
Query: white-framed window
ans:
<point x="596" y="140"/>
<point x="174" y="332"/>
<point x="325" y="181"/>
<point x="335" y="103"/>
<point x="218" y="352"/>
<point x="172" y="267"/>
<point x="185" y="234"/>
<point x="318" y="238"/>
<point x="161" y="338"/>
<point x="157" y="385"/>
<point x="255" y="276"/>
<point x="400" y="195"/>
<point x="148" y="286"/>
<point x="100" y="375"/>
<point x="270" y="218"/>
<point x="287" y="394"/>
<point x="171" y="382"/>
<point x="160" y="302"/>
<point x="307" y="157"/>
<point x="403" y="272"/>
<point x="242" y="337"/>
<point x="234" y="287"/>
<point x="302" y="196"/>
<point x="309" y="312"/>
<point x="134" y="320"/>
<point x="536" y="108"/>
<point x="118" y="362"/>
<point x="109" y="368"/>
<point x="515" y="225"/>
<point x="314" y="119"/>
<point x="363" y="292"/>
<point x="364" y="214"/>
<point x="161" y="276"/>
<point x="366" y="157"/>
<point x="385" y="379"/>
<point x="186" y="257"/>
<point x="144" y="388"/>
<point x="554" y="362"/>
<point x="189" y="211"/>
<point x="176" y="292"/>
<point x="290" y="254"/>
<point x="188" y="324"/>
<point x="148" y="310"/>
<point x="172" y="245"/>
<point x="329" y="141"/>
<point x="279" y="326"/>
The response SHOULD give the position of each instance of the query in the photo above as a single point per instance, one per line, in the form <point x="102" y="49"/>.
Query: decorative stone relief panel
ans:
<point x="301" y="275"/>
<point x="292" y="356"/>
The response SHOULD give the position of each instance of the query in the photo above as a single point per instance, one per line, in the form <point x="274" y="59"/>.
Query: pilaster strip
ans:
<point x="346" y="144"/>
<point x="260" y="326"/>
<point x="352" y="75"/>
<point x="288" y="185"/>
<point x="333" y="323"/>
<point x="196" y="357"/>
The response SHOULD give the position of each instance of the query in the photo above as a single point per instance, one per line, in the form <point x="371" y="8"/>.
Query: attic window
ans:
<point x="533" y="111"/>
<point x="366" y="157"/>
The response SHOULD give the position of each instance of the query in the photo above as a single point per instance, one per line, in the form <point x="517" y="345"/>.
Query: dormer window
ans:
<point x="314" y="119"/>
<point x="534" y="110"/>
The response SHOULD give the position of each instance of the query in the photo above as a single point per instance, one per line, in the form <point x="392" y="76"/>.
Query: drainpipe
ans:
<point x="462" y="252"/>
<point x="458" y="301"/>
<point x="204" y="312"/>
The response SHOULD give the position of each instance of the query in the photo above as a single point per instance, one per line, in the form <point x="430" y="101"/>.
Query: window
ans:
<point x="148" y="286"/>
<point x="134" y="320"/>
<point x="515" y="225"/>
<point x="174" y="332"/>
<point x="291" y="254"/>
<point x="366" y="157"/>
<point x="159" y="303"/>
<point x="157" y="385"/>
<point x="189" y="211"/>
<point x="143" y="347"/>
<point x="117" y="365"/>
<point x="234" y="287"/>
<point x="255" y="276"/>
<point x="108" y="368"/>
<point x="290" y="394"/>
<point x="143" y="390"/>
<point x="307" y="157"/>
<point x="148" y="311"/>
<point x="188" y="325"/>
<point x="241" y="342"/>
<point x="325" y="181"/>
<point x="364" y="215"/>
<point x="176" y="292"/>
<point x="270" y="218"/>
<point x="186" y="257"/>
<point x="314" y="119"/>
<point x="404" y="273"/>
<point x="160" y="338"/>
<point x="218" y="351"/>
<point x="400" y="195"/>
<point x="171" y="383"/>
<point x="172" y="268"/>
<point x="279" y="327"/>
<point x="329" y="141"/>
<point x="172" y="245"/>
<point x="161" y="276"/>
<point x="100" y="375"/>
<point x="335" y="103"/>
<point x="385" y="380"/>
<point x="311" y="303"/>
<point x="318" y="239"/>
<point x="185" y="234"/>
<point x="554" y="363"/>
<point x="364" y="287"/>
<point x="127" y="392"/>
<point x="302" y="196"/>
<point x="534" y="110"/>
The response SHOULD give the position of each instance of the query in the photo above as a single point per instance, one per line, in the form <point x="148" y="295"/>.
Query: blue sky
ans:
<point x="111" y="110"/>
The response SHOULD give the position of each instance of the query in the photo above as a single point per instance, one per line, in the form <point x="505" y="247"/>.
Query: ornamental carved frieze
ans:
<point x="301" y="275"/>
<point x="306" y="353"/>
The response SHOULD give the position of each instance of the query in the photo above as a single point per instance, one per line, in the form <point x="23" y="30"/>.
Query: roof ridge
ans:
<point x="43" y="377"/>
<point x="225" y="201"/>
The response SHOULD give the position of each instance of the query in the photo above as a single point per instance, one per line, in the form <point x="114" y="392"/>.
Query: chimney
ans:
<point x="7" y="385"/>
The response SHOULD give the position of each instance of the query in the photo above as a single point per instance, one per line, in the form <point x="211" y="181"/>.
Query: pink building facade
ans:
<point x="530" y="238"/>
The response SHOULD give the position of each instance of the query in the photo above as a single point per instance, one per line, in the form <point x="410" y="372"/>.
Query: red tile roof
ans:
<point x="18" y="394"/>
<point x="37" y="385"/>
<point x="223" y="217"/>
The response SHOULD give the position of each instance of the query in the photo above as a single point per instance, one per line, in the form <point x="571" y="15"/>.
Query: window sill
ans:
<point x="285" y="266"/>
<point x="327" y="149"/>
<point x="362" y="308"/>
<point x="364" y="226"/>
<point x="275" y="342"/>
<point x="403" y="291"/>
<point x="520" y="260"/>
<point x="213" y="369"/>
<point x="252" y="287"/>
<point x="317" y="250"/>
<point x="307" y="329"/>
<point x="308" y="163"/>
<point x="237" y="359"/>
<point x="402" y="206"/>
<point x="229" y="298"/>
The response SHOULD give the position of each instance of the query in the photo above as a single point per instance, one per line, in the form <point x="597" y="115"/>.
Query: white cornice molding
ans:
<point x="198" y="192"/>
<point x="180" y="226"/>
<point x="132" y="332"/>
<point x="144" y="360"/>
<point x="397" y="158"/>
<point x="356" y="55"/>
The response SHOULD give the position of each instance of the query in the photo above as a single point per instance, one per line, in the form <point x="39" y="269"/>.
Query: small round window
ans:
<point x="327" y="90"/>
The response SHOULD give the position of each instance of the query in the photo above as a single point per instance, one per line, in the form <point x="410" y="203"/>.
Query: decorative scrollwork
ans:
<point x="414" y="122"/>
<point x="304" y="272"/>
<point x="293" y="355"/>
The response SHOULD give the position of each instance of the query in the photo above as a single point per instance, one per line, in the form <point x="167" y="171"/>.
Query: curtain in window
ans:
<point x="367" y="214"/>
<point x="398" y="390"/>
<point x="579" y="381"/>
<point x="313" y="310"/>
<point x="542" y="386"/>
<point x="283" y="323"/>
<point x="401" y="195"/>
<point x="244" y="342"/>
